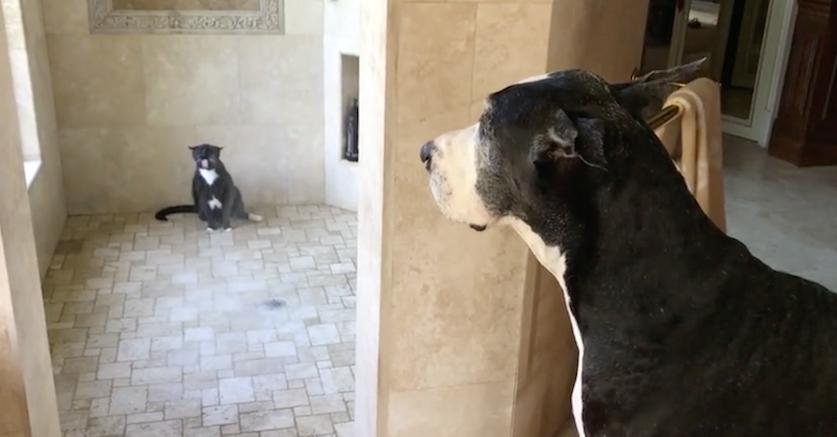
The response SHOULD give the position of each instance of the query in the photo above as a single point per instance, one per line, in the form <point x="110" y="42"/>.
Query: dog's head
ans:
<point x="540" y="145"/>
<point x="206" y="156"/>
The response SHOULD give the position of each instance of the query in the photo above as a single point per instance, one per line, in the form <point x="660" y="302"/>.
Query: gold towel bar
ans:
<point x="663" y="116"/>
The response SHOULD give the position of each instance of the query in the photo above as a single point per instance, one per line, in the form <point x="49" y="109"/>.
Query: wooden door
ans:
<point x="805" y="132"/>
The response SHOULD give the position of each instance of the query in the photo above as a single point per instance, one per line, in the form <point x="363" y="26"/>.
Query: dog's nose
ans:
<point x="426" y="154"/>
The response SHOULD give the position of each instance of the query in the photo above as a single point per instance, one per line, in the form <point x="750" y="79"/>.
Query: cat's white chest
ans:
<point x="208" y="175"/>
<point x="214" y="203"/>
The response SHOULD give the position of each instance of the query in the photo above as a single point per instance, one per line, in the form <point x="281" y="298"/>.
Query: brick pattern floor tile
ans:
<point x="163" y="329"/>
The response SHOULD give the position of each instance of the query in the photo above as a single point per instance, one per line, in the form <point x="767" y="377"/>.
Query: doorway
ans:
<point x="745" y="43"/>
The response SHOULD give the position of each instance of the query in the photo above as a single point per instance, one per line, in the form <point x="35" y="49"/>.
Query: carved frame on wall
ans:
<point x="269" y="18"/>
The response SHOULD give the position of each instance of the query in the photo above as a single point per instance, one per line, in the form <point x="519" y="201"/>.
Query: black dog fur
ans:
<point x="685" y="332"/>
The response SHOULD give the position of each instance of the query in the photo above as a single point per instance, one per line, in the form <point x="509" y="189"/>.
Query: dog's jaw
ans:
<point x="453" y="178"/>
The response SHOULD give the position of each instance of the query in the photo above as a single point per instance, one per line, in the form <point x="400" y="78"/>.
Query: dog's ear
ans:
<point x="565" y="138"/>
<point x="645" y="96"/>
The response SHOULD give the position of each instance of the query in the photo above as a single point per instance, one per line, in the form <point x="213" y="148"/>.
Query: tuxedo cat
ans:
<point x="216" y="198"/>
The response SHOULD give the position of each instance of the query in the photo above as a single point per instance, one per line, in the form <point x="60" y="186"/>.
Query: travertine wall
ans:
<point x="46" y="193"/>
<point x="602" y="36"/>
<point x="548" y="358"/>
<point x="447" y="334"/>
<point x="25" y="367"/>
<point x="129" y="104"/>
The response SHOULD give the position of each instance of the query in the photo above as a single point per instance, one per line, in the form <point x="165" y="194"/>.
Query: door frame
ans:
<point x="773" y="62"/>
<point x="678" y="32"/>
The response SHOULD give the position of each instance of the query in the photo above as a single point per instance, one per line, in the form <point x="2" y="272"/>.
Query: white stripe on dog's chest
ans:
<point x="554" y="260"/>
<point x="214" y="203"/>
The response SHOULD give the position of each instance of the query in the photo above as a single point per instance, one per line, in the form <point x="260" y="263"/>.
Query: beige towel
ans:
<point x="698" y="153"/>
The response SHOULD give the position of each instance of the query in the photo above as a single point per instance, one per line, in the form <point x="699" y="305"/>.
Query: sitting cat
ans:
<point x="217" y="199"/>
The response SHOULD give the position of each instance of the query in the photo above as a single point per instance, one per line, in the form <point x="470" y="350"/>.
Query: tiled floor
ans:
<point x="786" y="215"/>
<point x="161" y="329"/>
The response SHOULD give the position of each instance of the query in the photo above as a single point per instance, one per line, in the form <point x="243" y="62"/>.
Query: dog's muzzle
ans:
<point x="426" y="154"/>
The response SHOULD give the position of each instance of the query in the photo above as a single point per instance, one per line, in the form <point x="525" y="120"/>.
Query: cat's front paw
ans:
<point x="210" y="230"/>
<point x="227" y="229"/>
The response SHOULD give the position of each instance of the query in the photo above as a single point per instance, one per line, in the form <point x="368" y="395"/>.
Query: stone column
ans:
<point x="460" y="334"/>
<point x="27" y="394"/>
<point x="440" y="306"/>
<point x="602" y="36"/>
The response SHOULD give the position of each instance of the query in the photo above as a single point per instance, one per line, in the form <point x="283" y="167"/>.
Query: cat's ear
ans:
<point x="192" y="147"/>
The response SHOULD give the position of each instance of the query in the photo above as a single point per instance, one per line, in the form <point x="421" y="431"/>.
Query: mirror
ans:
<point x="729" y="33"/>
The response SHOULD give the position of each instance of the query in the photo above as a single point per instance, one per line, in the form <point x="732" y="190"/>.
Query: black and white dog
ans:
<point x="681" y="331"/>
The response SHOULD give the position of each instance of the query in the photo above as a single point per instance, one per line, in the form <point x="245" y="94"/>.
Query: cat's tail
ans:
<point x="179" y="209"/>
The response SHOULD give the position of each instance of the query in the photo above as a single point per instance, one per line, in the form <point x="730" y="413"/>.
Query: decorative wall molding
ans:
<point x="105" y="19"/>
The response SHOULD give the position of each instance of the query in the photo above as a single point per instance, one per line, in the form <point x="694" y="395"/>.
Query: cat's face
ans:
<point x="206" y="156"/>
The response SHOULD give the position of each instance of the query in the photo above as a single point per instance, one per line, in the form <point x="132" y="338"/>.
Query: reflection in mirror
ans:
<point x="702" y="33"/>
<point x="728" y="33"/>
<point x="658" y="35"/>
<point x="741" y="60"/>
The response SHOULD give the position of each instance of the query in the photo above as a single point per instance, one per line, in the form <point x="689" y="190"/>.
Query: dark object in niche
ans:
<point x="351" y="150"/>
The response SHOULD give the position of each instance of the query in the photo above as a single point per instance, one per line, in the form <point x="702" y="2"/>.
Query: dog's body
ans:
<point x="216" y="198"/>
<point x="681" y="331"/>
